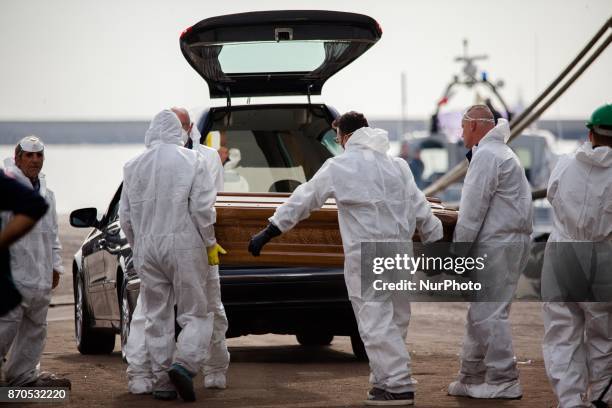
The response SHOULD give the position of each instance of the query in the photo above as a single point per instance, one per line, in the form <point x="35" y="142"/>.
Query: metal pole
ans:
<point x="517" y="129"/>
<point x="564" y="73"/>
<point x="403" y="126"/>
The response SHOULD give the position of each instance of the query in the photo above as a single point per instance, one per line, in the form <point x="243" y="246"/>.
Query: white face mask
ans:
<point x="184" y="136"/>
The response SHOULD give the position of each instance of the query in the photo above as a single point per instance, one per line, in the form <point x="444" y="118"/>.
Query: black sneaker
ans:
<point x="49" y="380"/>
<point x="374" y="391"/>
<point x="599" y="404"/>
<point x="165" y="395"/>
<point x="391" y="399"/>
<point x="182" y="381"/>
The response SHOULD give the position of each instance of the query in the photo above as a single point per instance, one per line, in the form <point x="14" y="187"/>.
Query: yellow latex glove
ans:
<point x="213" y="254"/>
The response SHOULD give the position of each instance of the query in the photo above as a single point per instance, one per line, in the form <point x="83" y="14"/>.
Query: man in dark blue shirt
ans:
<point x="28" y="207"/>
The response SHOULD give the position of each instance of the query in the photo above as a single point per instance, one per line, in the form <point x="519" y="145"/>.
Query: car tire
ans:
<point x="314" y="339"/>
<point x="358" y="348"/>
<point x="88" y="339"/>
<point x="125" y="318"/>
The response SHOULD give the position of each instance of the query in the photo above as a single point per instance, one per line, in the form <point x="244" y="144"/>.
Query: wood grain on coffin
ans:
<point x="314" y="242"/>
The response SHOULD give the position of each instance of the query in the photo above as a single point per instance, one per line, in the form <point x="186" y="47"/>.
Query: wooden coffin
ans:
<point x="315" y="241"/>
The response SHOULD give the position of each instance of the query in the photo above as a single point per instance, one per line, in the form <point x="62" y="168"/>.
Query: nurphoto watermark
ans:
<point x="487" y="272"/>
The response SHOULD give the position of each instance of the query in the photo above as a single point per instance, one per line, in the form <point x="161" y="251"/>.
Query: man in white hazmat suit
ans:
<point x="166" y="213"/>
<point x="495" y="217"/>
<point x="578" y="335"/>
<point x="28" y="207"/>
<point x="377" y="200"/>
<point x="140" y="377"/>
<point x="218" y="357"/>
<point x="36" y="265"/>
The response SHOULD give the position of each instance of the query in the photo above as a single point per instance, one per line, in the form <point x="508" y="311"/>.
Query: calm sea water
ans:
<point x="82" y="175"/>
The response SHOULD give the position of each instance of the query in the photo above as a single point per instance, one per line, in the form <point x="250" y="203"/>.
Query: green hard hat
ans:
<point x="601" y="120"/>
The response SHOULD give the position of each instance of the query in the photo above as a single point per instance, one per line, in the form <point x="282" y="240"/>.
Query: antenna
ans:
<point x="469" y="69"/>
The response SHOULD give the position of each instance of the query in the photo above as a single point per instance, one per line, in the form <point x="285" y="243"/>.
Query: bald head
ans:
<point x="477" y="121"/>
<point x="183" y="116"/>
<point x="480" y="112"/>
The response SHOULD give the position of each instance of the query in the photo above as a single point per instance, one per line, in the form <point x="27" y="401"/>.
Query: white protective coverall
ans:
<point x="166" y="213"/>
<point x="495" y="209"/>
<point x="377" y="200"/>
<point x="578" y="336"/>
<point x="139" y="373"/>
<point x="218" y="357"/>
<point x="33" y="259"/>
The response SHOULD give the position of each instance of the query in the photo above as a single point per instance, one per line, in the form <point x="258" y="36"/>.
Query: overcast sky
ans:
<point x="81" y="59"/>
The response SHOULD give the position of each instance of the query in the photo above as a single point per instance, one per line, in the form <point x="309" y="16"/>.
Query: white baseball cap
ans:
<point x="31" y="144"/>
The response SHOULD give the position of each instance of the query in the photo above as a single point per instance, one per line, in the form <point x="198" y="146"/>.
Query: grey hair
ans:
<point x="18" y="150"/>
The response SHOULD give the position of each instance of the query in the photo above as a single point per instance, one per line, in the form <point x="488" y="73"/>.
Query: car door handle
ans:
<point x="111" y="247"/>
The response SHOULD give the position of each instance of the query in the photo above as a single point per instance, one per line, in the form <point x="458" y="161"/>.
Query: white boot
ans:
<point x="140" y="385"/>
<point x="459" y="389"/>
<point x="507" y="390"/>
<point x="215" y="380"/>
